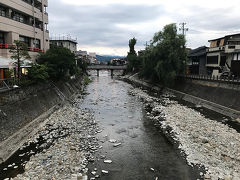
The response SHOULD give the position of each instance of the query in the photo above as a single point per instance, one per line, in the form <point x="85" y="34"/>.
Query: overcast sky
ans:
<point x="105" y="26"/>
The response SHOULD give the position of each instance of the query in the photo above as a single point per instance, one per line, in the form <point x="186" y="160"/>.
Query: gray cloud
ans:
<point x="209" y="19"/>
<point x="97" y="25"/>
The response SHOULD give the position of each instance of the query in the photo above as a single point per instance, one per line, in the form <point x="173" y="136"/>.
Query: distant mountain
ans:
<point x="105" y="58"/>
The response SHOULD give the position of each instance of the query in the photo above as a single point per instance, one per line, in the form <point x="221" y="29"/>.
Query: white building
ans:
<point x="66" y="42"/>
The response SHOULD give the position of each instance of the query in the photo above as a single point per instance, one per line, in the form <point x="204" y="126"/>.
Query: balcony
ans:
<point x="10" y="46"/>
<point x="215" y="49"/>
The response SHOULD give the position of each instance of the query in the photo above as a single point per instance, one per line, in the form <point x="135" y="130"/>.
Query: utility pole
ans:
<point x="146" y="44"/>
<point x="183" y="28"/>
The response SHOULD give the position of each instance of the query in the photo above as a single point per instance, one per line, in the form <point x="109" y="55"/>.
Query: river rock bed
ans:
<point x="71" y="142"/>
<point x="205" y="142"/>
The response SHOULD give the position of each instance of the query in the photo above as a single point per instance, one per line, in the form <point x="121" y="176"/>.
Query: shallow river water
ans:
<point x="144" y="153"/>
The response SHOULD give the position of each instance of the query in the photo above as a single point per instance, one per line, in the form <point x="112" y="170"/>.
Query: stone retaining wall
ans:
<point x="22" y="111"/>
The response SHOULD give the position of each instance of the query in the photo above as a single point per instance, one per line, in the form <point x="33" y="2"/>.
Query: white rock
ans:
<point x="104" y="172"/>
<point x="94" y="173"/>
<point x="112" y="140"/>
<point x="107" y="161"/>
<point x="117" y="144"/>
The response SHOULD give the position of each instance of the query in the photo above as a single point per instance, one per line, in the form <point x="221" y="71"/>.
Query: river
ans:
<point x="118" y="132"/>
<point x="144" y="153"/>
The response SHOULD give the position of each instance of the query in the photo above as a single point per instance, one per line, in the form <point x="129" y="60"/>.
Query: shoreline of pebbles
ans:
<point x="206" y="143"/>
<point x="71" y="142"/>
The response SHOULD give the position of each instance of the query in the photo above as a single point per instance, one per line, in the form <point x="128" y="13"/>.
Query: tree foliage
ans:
<point x="165" y="57"/>
<point x="19" y="53"/>
<point x="82" y="64"/>
<point x="38" y="73"/>
<point x="132" y="59"/>
<point x="131" y="44"/>
<point x="60" y="62"/>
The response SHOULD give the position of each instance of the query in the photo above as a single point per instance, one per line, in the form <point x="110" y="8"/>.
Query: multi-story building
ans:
<point x="224" y="55"/>
<point x="24" y="20"/>
<point x="66" y="42"/>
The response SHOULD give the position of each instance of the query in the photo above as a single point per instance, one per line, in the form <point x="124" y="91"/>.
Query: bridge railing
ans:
<point x="99" y="67"/>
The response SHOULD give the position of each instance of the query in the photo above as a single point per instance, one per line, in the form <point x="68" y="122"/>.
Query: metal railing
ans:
<point x="7" y="84"/>
<point x="9" y="46"/>
<point x="225" y="79"/>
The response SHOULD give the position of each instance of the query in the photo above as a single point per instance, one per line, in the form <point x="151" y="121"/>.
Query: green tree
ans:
<point x="132" y="59"/>
<point x="165" y="57"/>
<point x="38" y="73"/>
<point x="19" y="53"/>
<point x="60" y="62"/>
<point x="82" y="64"/>
<point x="131" y="44"/>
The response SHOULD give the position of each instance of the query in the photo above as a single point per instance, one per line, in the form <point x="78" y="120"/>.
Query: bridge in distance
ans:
<point x="106" y="67"/>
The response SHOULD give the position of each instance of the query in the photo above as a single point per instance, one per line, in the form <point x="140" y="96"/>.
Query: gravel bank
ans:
<point x="205" y="142"/>
<point x="70" y="143"/>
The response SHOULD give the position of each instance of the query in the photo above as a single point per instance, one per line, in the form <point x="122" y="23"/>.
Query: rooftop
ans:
<point x="200" y="51"/>
<point x="64" y="38"/>
<point x="227" y="36"/>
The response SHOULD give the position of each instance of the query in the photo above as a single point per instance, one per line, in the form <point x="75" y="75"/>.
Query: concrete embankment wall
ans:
<point x="222" y="93"/>
<point x="23" y="110"/>
<point x="220" y="97"/>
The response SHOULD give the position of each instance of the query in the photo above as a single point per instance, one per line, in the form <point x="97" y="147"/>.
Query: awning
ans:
<point x="6" y="62"/>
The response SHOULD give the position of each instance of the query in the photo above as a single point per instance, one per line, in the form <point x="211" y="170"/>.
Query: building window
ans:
<point x="28" y="1"/>
<point x="2" y="40"/>
<point x="234" y="42"/>
<point x="223" y="60"/>
<point x="3" y="11"/>
<point x="37" y="44"/>
<point x="26" y="40"/>
<point x="19" y="17"/>
<point x="38" y="24"/>
<point x="212" y="59"/>
<point x="231" y="47"/>
<point x="37" y="4"/>
<point x="236" y="57"/>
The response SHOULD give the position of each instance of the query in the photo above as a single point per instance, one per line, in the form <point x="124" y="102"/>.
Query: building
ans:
<point x="119" y="62"/>
<point x="197" y="61"/>
<point x="92" y="57"/>
<point x="24" y="20"/>
<point x="224" y="55"/>
<point x="83" y="55"/>
<point x="66" y="42"/>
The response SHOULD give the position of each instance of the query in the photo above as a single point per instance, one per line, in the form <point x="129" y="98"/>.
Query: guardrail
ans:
<point x="7" y="84"/>
<point x="213" y="78"/>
